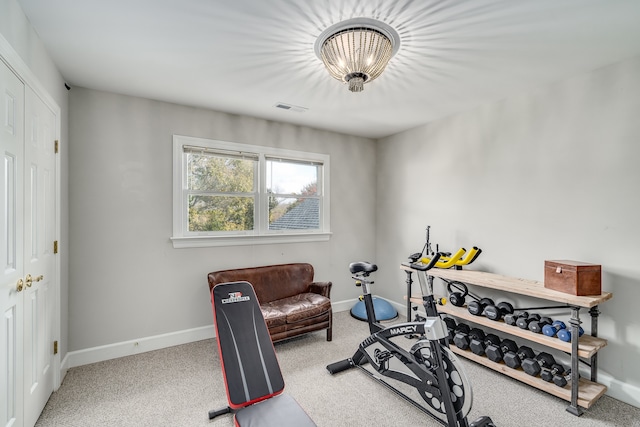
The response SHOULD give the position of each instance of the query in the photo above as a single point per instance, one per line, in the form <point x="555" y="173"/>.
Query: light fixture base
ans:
<point x="370" y="23"/>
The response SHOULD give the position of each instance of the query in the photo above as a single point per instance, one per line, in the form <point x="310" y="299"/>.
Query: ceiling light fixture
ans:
<point x="356" y="51"/>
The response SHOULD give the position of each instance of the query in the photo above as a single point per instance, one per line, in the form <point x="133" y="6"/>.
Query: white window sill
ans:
<point x="269" y="239"/>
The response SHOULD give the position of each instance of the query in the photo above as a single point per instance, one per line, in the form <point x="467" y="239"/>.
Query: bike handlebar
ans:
<point x="469" y="257"/>
<point x="423" y="266"/>
<point x="456" y="259"/>
<point x="448" y="261"/>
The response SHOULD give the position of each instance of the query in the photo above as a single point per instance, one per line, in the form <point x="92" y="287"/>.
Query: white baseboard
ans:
<point x="623" y="392"/>
<point x="343" y="305"/>
<point x="64" y="368"/>
<point x="141" y="345"/>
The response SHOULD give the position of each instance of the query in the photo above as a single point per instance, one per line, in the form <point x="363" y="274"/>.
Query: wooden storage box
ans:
<point x="573" y="277"/>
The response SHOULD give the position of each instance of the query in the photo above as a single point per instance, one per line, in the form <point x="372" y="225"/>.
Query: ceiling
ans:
<point x="246" y="56"/>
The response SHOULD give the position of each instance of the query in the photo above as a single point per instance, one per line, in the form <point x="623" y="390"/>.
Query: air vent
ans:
<point x="290" y="107"/>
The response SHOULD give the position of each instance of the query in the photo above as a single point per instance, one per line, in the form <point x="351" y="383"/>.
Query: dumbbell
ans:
<point x="549" y="374"/>
<point x="512" y="318"/>
<point x="476" y="335"/>
<point x="478" y="346"/>
<point x="477" y="307"/>
<point x="495" y="352"/>
<point x="463" y="340"/>
<point x="565" y="334"/>
<point x="461" y="335"/>
<point x="533" y="367"/>
<point x="514" y="359"/>
<point x="552" y="329"/>
<point x="496" y="312"/>
<point x="562" y="380"/>
<point x="451" y="326"/>
<point x="523" y="322"/>
<point x="537" y="325"/>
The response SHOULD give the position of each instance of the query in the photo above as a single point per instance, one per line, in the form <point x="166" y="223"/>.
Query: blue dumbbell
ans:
<point x="565" y="334"/>
<point x="554" y="328"/>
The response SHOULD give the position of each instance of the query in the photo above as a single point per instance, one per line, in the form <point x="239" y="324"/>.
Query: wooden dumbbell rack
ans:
<point x="581" y="392"/>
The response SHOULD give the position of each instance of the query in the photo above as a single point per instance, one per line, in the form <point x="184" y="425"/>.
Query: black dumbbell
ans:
<point x="549" y="374"/>
<point x="512" y="318"/>
<point x="537" y="325"/>
<point x="478" y="346"/>
<point x="514" y="359"/>
<point x="461" y="335"/>
<point x="462" y="341"/>
<point x="523" y="322"/>
<point x="533" y="367"/>
<point x="495" y="352"/>
<point x="562" y="380"/>
<point x="476" y="334"/>
<point x="477" y="307"/>
<point x="496" y="312"/>
<point x="451" y="326"/>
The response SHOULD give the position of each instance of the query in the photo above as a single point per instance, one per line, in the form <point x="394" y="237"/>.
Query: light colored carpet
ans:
<point x="177" y="387"/>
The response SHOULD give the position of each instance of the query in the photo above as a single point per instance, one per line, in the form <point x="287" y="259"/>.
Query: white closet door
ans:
<point x="39" y="262"/>
<point x="11" y="247"/>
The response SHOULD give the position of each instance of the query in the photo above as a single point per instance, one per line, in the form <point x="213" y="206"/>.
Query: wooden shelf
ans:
<point x="589" y="392"/>
<point x="515" y="285"/>
<point x="588" y="345"/>
<point x="586" y="392"/>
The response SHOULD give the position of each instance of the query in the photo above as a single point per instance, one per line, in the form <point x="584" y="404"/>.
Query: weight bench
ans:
<point x="252" y="375"/>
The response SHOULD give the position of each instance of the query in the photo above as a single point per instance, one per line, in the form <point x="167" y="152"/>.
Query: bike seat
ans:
<point x="362" y="267"/>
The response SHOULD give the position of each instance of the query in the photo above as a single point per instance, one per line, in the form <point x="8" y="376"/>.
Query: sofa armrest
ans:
<point x="321" y="288"/>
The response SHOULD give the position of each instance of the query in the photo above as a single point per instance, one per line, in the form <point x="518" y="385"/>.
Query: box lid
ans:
<point x="572" y="265"/>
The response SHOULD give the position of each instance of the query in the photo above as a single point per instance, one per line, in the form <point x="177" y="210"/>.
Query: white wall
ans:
<point x="18" y="33"/>
<point x="127" y="280"/>
<point x="547" y="175"/>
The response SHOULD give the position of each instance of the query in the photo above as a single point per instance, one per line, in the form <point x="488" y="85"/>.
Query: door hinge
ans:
<point x="55" y="347"/>
<point x="55" y="246"/>
<point x="57" y="146"/>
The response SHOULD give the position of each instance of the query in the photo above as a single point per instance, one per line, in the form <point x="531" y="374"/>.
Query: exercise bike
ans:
<point x="428" y="369"/>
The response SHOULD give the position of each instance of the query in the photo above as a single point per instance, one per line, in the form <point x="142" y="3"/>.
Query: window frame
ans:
<point x="182" y="238"/>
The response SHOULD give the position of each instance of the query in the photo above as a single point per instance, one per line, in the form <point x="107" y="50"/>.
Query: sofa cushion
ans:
<point x="294" y="309"/>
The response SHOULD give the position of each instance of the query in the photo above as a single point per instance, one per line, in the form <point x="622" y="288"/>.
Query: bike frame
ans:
<point x="432" y="329"/>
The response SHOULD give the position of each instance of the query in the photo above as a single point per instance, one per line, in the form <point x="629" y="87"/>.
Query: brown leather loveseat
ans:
<point x="291" y="302"/>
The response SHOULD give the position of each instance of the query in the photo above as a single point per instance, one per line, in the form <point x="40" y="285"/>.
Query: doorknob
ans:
<point x="19" y="285"/>
<point x="28" y="280"/>
<point x="39" y="278"/>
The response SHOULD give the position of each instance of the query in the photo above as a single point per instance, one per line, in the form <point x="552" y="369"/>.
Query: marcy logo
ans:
<point x="404" y="330"/>
<point x="235" y="297"/>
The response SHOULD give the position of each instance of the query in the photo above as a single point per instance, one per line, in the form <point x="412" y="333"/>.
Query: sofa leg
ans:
<point x="329" y="334"/>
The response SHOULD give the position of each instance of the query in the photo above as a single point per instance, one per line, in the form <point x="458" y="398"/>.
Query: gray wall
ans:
<point x="127" y="280"/>
<point x="548" y="175"/>
<point x="17" y="31"/>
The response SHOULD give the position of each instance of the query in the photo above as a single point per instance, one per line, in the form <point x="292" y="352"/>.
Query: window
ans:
<point x="228" y="194"/>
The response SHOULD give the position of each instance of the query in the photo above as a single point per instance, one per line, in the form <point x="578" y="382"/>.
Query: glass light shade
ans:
<point x="357" y="51"/>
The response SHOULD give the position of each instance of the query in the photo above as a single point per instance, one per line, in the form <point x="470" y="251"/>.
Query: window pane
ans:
<point x="208" y="172"/>
<point x="285" y="177"/>
<point x="220" y="213"/>
<point x="294" y="213"/>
